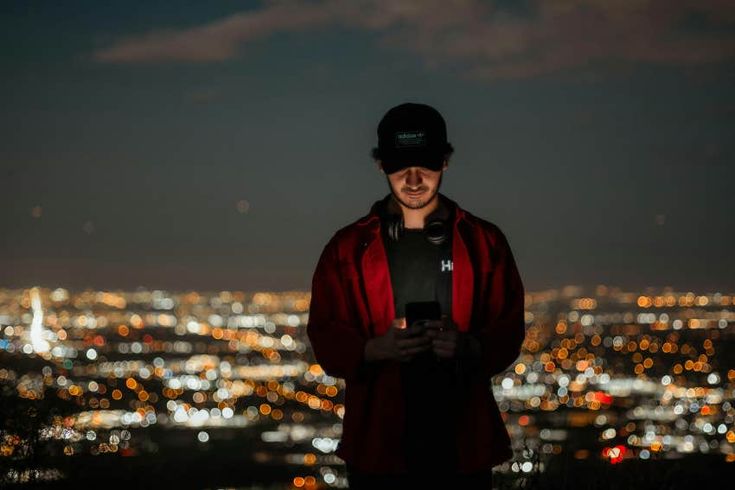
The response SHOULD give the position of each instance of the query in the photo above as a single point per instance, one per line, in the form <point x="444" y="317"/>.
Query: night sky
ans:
<point x="219" y="145"/>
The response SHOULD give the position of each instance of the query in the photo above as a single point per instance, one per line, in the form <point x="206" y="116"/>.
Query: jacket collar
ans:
<point x="376" y="276"/>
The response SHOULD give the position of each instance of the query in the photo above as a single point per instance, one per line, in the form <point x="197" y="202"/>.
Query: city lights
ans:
<point x="639" y="373"/>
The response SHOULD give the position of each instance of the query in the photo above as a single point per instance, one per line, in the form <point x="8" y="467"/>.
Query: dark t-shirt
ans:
<point x="422" y="271"/>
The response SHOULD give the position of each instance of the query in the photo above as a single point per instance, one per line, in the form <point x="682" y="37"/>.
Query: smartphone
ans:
<point x="422" y="310"/>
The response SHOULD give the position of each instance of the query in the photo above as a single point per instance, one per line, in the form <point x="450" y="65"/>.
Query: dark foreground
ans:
<point x="192" y="470"/>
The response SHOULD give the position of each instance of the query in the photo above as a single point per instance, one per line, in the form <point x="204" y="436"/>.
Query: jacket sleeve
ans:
<point x="501" y="337"/>
<point x="336" y="339"/>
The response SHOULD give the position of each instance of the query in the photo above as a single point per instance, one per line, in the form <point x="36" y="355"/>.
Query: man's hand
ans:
<point x="448" y="342"/>
<point x="398" y="344"/>
<point x="444" y="337"/>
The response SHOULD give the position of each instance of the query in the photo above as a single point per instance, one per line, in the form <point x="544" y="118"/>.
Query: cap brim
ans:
<point x="393" y="162"/>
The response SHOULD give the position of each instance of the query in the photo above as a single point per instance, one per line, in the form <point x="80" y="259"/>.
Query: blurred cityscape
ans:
<point x="220" y="389"/>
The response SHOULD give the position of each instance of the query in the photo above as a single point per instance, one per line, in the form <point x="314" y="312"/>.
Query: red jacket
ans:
<point x="352" y="300"/>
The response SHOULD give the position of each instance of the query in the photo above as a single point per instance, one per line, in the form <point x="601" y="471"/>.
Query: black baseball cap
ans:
<point x="412" y="135"/>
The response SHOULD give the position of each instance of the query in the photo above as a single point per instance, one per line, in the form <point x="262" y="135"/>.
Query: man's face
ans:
<point x="415" y="187"/>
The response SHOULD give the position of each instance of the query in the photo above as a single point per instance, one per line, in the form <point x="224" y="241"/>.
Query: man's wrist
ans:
<point x="369" y="353"/>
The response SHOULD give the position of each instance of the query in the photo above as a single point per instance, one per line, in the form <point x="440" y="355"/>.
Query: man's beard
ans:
<point x="417" y="204"/>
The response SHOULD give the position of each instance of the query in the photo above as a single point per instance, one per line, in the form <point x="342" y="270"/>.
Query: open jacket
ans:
<point x="352" y="301"/>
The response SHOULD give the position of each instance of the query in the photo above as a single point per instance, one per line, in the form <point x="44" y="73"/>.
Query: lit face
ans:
<point x="415" y="187"/>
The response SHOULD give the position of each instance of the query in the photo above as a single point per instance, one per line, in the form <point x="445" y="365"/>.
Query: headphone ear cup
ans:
<point x="395" y="227"/>
<point x="436" y="231"/>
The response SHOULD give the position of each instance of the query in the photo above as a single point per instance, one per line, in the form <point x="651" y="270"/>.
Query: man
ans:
<point x="418" y="402"/>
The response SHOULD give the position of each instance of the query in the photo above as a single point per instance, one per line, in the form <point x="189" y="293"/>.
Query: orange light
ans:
<point x="644" y="301"/>
<point x="581" y="454"/>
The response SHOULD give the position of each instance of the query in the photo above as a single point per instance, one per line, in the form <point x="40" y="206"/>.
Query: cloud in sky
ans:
<point x="488" y="39"/>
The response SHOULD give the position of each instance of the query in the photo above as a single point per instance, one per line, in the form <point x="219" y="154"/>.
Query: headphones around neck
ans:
<point x="436" y="228"/>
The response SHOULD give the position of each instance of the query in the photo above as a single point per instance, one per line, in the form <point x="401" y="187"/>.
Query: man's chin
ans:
<point x="416" y="202"/>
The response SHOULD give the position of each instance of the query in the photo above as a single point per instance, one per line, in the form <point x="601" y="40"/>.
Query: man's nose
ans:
<point x="414" y="177"/>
